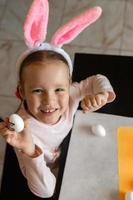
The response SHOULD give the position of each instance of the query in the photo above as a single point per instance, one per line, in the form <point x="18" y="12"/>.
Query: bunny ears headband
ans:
<point x="35" y="30"/>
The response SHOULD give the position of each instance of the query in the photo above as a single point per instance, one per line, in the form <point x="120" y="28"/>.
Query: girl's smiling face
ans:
<point x="45" y="89"/>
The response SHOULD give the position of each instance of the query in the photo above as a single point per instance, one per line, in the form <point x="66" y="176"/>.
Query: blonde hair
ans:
<point x="40" y="56"/>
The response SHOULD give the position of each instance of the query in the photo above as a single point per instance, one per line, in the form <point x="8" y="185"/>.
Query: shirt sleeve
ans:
<point x="92" y="85"/>
<point x="41" y="181"/>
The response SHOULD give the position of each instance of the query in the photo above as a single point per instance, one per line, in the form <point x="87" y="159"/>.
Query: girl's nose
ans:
<point x="49" y="98"/>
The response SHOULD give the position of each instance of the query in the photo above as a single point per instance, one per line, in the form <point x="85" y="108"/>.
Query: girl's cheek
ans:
<point x="65" y="100"/>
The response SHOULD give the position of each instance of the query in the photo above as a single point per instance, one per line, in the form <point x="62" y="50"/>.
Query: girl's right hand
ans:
<point x="22" y="140"/>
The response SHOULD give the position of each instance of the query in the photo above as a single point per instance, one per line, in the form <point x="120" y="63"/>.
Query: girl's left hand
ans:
<point x="94" y="102"/>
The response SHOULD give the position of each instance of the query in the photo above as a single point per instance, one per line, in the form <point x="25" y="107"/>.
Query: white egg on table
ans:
<point x="16" y="123"/>
<point x="98" y="130"/>
<point x="129" y="196"/>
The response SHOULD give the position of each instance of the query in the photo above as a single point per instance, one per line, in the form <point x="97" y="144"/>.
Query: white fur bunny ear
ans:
<point x="68" y="32"/>
<point x="35" y="27"/>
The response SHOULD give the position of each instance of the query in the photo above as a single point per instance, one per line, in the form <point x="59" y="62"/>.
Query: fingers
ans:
<point x="93" y="102"/>
<point x="2" y="125"/>
<point x="18" y="140"/>
<point x="6" y="133"/>
<point x="86" y="107"/>
<point x="90" y="103"/>
<point x="6" y="130"/>
<point x="101" y="99"/>
<point x="9" y="135"/>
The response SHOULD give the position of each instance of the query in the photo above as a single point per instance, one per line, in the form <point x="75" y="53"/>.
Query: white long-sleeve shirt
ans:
<point x="40" y="179"/>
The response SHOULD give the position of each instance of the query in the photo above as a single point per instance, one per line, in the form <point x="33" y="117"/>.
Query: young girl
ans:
<point x="49" y="101"/>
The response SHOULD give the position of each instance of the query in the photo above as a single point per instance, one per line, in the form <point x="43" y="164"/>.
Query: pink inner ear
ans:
<point x="35" y="27"/>
<point x="34" y="34"/>
<point x="69" y="31"/>
<point x="66" y="38"/>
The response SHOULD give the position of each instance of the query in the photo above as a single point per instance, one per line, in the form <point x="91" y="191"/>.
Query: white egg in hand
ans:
<point x="16" y="123"/>
<point x="129" y="196"/>
<point x="98" y="130"/>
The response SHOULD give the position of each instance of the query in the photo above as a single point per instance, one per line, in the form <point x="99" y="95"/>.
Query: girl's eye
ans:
<point x="38" y="91"/>
<point x="60" y="90"/>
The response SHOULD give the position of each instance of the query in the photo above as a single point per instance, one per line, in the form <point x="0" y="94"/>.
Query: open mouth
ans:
<point x="49" y="111"/>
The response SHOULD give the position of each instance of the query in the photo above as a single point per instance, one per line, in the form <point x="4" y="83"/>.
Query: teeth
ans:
<point x="49" y="110"/>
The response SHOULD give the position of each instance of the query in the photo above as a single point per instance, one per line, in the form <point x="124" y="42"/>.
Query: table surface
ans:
<point x="91" y="169"/>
